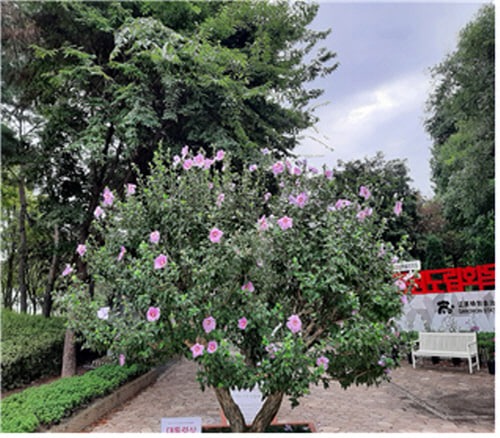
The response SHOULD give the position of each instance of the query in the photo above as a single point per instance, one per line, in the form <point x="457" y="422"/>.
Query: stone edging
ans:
<point x="99" y="408"/>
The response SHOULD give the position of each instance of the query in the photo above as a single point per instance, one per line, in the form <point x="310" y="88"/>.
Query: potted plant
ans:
<point x="486" y="347"/>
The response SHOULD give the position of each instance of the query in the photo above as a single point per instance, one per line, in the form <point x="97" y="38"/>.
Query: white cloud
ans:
<point x="387" y="117"/>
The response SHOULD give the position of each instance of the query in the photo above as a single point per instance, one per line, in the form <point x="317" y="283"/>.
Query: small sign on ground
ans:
<point x="181" y="425"/>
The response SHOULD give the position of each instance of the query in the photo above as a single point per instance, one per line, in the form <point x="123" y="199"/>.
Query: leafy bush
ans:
<point x="486" y="343"/>
<point x="48" y="404"/>
<point x="31" y="347"/>
<point x="263" y="275"/>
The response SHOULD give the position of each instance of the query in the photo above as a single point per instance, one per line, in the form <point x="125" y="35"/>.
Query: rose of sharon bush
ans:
<point x="320" y="304"/>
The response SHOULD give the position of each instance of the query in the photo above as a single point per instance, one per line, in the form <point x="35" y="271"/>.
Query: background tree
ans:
<point x="389" y="182"/>
<point x="113" y="79"/>
<point x="462" y="126"/>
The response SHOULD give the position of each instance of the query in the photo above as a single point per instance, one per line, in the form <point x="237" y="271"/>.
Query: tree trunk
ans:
<point x="51" y="279"/>
<point x="231" y="410"/>
<point x="267" y="412"/>
<point x="69" y="355"/>
<point x="23" y="250"/>
<point x="7" y="294"/>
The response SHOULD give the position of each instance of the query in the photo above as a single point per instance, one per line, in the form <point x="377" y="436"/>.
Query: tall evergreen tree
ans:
<point x="462" y="126"/>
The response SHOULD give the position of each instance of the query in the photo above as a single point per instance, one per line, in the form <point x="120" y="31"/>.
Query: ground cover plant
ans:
<point x="47" y="404"/>
<point x="264" y="276"/>
<point x="31" y="347"/>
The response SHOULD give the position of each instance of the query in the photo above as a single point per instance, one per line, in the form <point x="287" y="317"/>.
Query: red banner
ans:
<point x="437" y="281"/>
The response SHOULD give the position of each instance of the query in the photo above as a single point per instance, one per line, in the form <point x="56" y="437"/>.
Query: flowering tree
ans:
<point x="259" y="276"/>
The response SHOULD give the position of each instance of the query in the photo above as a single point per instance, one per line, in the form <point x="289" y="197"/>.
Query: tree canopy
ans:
<point x="104" y="83"/>
<point x="462" y="126"/>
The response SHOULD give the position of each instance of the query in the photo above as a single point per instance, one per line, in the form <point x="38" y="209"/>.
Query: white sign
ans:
<point x="413" y="265"/>
<point x="250" y="401"/>
<point x="181" y="425"/>
<point x="450" y="312"/>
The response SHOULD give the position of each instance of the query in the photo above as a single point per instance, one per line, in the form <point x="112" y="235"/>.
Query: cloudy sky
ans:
<point x="375" y="100"/>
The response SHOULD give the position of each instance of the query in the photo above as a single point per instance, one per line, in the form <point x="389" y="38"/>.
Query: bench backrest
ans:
<point x="447" y="341"/>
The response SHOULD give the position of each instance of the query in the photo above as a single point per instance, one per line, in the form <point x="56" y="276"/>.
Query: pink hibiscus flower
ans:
<point x="122" y="253"/>
<point x="294" y="324"/>
<point x="242" y="323"/>
<point x="81" y="249"/>
<point x="364" y="192"/>
<point x="108" y="197"/>
<point x="98" y="212"/>
<point x="398" y="208"/>
<point x="154" y="237"/>
<point x="209" y="324"/>
<point x="285" y="222"/>
<point x="322" y="361"/>
<point x="278" y="168"/>
<point x="248" y="286"/>
<point x="212" y="347"/>
<point x="131" y="189"/>
<point x="197" y="350"/>
<point x="67" y="270"/>
<point x="160" y="261"/>
<point x="215" y="235"/>
<point x="153" y="314"/>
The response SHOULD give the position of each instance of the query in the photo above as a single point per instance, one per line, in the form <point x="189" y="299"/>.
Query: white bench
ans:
<point x="460" y="345"/>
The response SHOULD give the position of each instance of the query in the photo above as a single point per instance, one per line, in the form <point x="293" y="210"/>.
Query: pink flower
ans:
<point x="363" y="214"/>
<point x="294" y="323"/>
<point x="400" y="284"/>
<point x="364" y="192"/>
<point x="342" y="203"/>
<point x="398" y="208"/>
<point x="184" y="151"/>
<point x="67" y="270"/>
<point x="121" y="360"/>
<point x="328" y="173"/>
<point x="265" y="151"/>
<point x="122" y="253"/>
<point x="267" y="196"/>
<point x="271" y="349"/>
<point x="220" y="199"/>
<point x="131" y="189"/>
<point x="98" y="212"/>
<point x="209" y="324"/>
<point x="219" y="156"/>
<point x="187" y="164"/>
<point x="322" y="361"/>
<point x="208" y="163"/>
<point x="108" y="197"/>
<point x="199" y="160"/>
<point x="262" y="223"/>
<point x="197" y="350"/>
<point x="299" y="200"/>
<point x="103" y="313"/>
<point x="252" y="167"/>
<point x="248" y="286"/>
<point x="242" y="323"/>
<point x="285" y="222"/>
<point x="215" y="235"/>
<point x="153" y="314"/>
<point x="212" y="347"/>
<point x="278" y="168"/>
<point x="297" y="171"/>
<point x="177" y="160"/>
<point x="154" y="237"/>
<point x="160" y="261"/>
<point x="81" y="249"/>
<point x="313" y="170"/>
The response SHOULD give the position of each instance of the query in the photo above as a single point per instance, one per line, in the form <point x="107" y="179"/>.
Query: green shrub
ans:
<point x="31" y="347"/>
<point x="48" y="404"/>
<point x="486" y="343"/>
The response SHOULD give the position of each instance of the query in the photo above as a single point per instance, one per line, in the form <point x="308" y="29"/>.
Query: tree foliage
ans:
<point x="462" y="126"/>
<point x="105" y="82"/>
